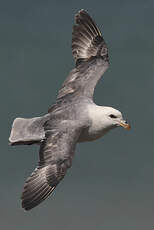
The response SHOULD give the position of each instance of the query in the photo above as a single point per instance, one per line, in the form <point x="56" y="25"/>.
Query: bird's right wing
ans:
<point x="56" y="153"/>
<point x="91" y="55"/>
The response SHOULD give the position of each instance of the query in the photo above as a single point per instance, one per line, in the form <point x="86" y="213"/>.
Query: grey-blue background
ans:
<point x="110" y="185"/>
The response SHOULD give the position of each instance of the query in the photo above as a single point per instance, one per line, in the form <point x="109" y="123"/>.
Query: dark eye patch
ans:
<point x="112" y="116"/>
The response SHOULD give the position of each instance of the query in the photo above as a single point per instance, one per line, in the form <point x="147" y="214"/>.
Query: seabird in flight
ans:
<point x="73" y="118"/>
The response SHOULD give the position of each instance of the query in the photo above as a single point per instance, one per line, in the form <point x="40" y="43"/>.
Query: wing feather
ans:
<point x="86" y="35"/>
<point x="56" y="153"/>
<point x="91" y="55"/>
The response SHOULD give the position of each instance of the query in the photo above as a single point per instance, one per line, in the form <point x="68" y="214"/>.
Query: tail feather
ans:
<point x="28" y="131"/>
<point x="86" y="37"/>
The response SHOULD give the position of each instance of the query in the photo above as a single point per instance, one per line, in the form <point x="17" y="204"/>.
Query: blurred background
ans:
<point x="116" y="190"/>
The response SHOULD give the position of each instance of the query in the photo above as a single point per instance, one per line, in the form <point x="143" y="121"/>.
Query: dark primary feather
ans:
<point x="86" y="37"/>
<point x="37" y="187"/>
<point x="56" y="153"/>
<point x="91" y="55"/>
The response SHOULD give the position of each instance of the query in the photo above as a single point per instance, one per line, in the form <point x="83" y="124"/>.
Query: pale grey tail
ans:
<point x="28" y="131"/>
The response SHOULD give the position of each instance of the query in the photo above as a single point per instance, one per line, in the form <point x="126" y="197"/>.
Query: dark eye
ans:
<point x="112" y="116"/>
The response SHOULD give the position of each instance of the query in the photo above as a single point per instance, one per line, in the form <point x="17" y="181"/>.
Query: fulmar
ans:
<point x="73" y="118"/>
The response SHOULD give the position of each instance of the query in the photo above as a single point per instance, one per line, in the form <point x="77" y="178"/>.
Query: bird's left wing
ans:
<point x="56" y="153"/>
<point x="91" y="55"/>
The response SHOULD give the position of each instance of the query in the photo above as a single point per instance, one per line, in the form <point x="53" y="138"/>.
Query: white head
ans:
<point x="102" y="119"/>
<point x="112" y="118"/>
<point x="105" y="118"/>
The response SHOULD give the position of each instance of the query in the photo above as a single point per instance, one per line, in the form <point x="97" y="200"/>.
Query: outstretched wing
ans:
<point x="91" y="56"/>
<point x="56" y="154"/>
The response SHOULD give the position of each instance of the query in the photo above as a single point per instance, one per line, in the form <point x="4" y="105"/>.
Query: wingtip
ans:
<point x="87" y="40"/>
<point x="38" y="187"/>
<point x="27" y="205"/>
<point x="80" y="12"/>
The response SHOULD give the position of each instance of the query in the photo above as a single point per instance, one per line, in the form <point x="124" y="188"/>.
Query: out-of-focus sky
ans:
<point x="111" y="183"/>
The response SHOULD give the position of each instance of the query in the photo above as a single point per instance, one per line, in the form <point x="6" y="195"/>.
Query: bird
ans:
<point x="73" y="118"/>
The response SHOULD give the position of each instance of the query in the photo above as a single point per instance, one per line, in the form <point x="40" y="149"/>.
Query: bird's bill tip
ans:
<point x="125" y="125"/>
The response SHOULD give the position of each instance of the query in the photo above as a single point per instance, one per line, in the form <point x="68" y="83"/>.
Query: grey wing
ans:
<point x="91" y="56"/>
<point x="56" y="154"/>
